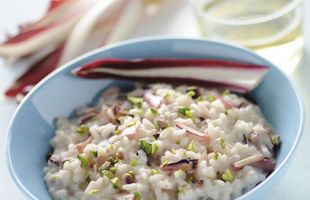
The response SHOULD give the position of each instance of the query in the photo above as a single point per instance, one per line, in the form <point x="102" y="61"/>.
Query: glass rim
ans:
<point x="268" y="17"/>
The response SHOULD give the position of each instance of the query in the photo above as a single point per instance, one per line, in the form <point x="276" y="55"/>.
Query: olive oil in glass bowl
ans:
<point x="272" y="28"/>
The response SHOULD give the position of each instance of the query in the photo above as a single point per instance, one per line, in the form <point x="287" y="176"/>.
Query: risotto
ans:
<point x="161" y="142"/>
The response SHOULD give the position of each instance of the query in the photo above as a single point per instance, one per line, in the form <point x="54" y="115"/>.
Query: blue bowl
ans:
<point x="59" y="94"/>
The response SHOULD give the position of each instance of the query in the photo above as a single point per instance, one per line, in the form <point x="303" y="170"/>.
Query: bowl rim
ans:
<point x="143" y="40"/>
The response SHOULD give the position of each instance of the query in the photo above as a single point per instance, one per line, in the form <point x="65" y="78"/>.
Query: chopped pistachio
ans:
<point x="133" y="163"/>
<point x="139" y="111"/>
<point x="180" y="191"/>
<point x="191" y="93"/>
<point x="93" y="191"/>
<point x="200" y="99"/>
<point x="226" y="92"/>
<point x="84" y="161"/>
<point x="183" y="110"/>
<point x="228" y="176"/>
<point x="226" y="112"/>
<point x="173" y="151"/>
<point x="188" y="113"/>
<point x="154" y="148"/>
<point x="135" y="101"/>
<point x="190" y="177"/>
<point x="116" y="183"/>
<point x="117" y="132"/>
<point x="191" y="146"/>
<point x="83" y="129"/>
<point x="154" y="171"/>
<point x="112" y="160"/>
<point x="131" y="173"/>
<point x="94" y="153"/>
<point x="165" y="162"/>
<point x="107" y="173"/>
<point x="210" y="98"/>
<point x="132" y="123"/>
<point x="215" y="156"/>
<point x="154" y="111"/>
<point x="113" y="170"/>
<point x="222" y="141"/>
<point x="137" y="196"/>
<point x="146" y="147"/>
<point x="167" y="96"/>
<point x="110" y="146"/>
<point x="275" y="140"/>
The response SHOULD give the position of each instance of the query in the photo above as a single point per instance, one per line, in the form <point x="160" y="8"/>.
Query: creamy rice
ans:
<point x="161" y="143"/>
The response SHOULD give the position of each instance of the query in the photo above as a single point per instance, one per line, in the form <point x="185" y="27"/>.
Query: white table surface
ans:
<point x="175" y="20"/>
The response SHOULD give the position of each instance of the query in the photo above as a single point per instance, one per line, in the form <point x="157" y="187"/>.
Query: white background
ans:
<point x="174" y="20"/>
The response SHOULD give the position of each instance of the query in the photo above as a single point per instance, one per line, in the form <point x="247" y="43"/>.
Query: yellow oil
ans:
<point x="256" y="24"/>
